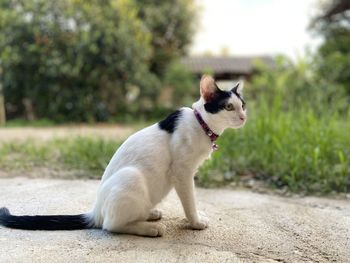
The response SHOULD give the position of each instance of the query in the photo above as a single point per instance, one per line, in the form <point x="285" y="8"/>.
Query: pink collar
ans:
<point x="212" y="135"/>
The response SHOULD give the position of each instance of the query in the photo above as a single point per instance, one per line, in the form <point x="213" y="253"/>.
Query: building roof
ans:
<point x="220" y="65"/>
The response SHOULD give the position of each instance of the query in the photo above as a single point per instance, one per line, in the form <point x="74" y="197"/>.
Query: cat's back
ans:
<point x="147" y="149"/>
<point x="156" y="138"/>
<point x="152" y="148"/>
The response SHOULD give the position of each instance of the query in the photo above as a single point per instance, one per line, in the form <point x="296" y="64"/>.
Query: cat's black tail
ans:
<point x="50" y="222"/>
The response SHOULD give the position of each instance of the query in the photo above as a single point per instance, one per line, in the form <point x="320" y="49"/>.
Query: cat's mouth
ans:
<point x="240" y="122"/>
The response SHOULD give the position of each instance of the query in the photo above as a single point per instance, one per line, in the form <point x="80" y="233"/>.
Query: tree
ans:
<point x="333" y="56"/>
<point x="172" y="26"/>
<point x="88" y="60"/>
<point x="332" y="11"/>
<point x="72" y="59"/>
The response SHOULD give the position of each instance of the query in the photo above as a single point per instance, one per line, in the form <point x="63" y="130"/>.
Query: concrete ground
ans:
<point x="244" y="227"/>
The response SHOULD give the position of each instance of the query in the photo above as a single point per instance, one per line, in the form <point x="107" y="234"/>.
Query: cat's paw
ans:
<point x="157" y="230"/>
<point x="154" y="215"/>
<point x="202" y="223"/>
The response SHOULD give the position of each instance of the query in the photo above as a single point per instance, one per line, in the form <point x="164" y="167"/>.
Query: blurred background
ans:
<point x="77" y="77"/>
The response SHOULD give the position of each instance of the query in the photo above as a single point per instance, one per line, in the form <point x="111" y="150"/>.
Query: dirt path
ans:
<point x="244" y="227"/>
<point x="46" y="133"/>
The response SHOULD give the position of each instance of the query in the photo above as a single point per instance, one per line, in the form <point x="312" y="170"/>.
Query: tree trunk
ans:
<point x="2" y="110"/>
<point x="2" y="102"/>
<point x="29" y="109"/>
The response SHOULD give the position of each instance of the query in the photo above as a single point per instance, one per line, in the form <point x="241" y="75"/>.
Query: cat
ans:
<point x="149" y="164"/>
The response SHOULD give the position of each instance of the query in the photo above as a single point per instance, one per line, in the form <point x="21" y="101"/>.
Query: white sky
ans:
<point x="254" y="27"/>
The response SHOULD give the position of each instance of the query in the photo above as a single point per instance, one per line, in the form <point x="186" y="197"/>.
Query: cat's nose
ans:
<point x="242" y="118"/>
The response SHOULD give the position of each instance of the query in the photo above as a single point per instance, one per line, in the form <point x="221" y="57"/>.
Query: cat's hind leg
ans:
<point x="127" y="204"/>
<point x="141" y="228"/>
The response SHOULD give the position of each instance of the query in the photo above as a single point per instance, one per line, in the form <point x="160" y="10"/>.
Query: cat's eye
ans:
<point x="229" y="107"/>
<point x="243" y="106"/>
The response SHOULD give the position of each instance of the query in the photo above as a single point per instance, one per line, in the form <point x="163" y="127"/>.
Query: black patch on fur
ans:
<point x="56" y="222"/>
<point x="170" y="122"/>
<point x="218" y="102"/>
<point x="234" y="91"/>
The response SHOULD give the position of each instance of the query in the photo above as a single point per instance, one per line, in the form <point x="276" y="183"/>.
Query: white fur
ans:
<point x="149" y="164"/>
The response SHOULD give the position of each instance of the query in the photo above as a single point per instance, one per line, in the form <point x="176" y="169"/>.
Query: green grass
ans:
<point x="25" y="123"/>
<point x="297" y="150"/>
<point x="83" y="153"/>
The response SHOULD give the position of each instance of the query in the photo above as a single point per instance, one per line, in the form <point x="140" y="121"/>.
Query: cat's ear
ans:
<point x="208" y="88"/>
<point x="238" y="88"/>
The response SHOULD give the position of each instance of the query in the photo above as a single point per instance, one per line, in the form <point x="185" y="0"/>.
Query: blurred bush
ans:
<point x="296" y="137"/>
<point x="74" y="60"/>
<point x="181" y="83"/>
<point x="297" y="85"/>
<point x="295" y="150"/>
<point x="297" y="134"/>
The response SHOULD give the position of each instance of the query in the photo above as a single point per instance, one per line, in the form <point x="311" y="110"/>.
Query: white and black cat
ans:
<point x="148" y="165"/>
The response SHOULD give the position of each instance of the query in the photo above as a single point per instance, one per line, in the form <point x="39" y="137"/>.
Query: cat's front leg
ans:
<point x="184" y="186"/>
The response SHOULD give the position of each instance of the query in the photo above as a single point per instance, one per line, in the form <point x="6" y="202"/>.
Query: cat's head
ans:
<point x="226" y="108"/>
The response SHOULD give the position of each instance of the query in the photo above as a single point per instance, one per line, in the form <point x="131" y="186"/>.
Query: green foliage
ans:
<point x="172" y="24"/>
<point x="74" y="60"/>
<point x="296" y="135"/>
<point x="69" y="58"/>
<point x="333" y="56"/>
<point x="182" y="83"/>
<point x="88" y="154"/>
<point x="26" y="123"/>
<point x="290" y="85"/>
<point x="296" y="149"/>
